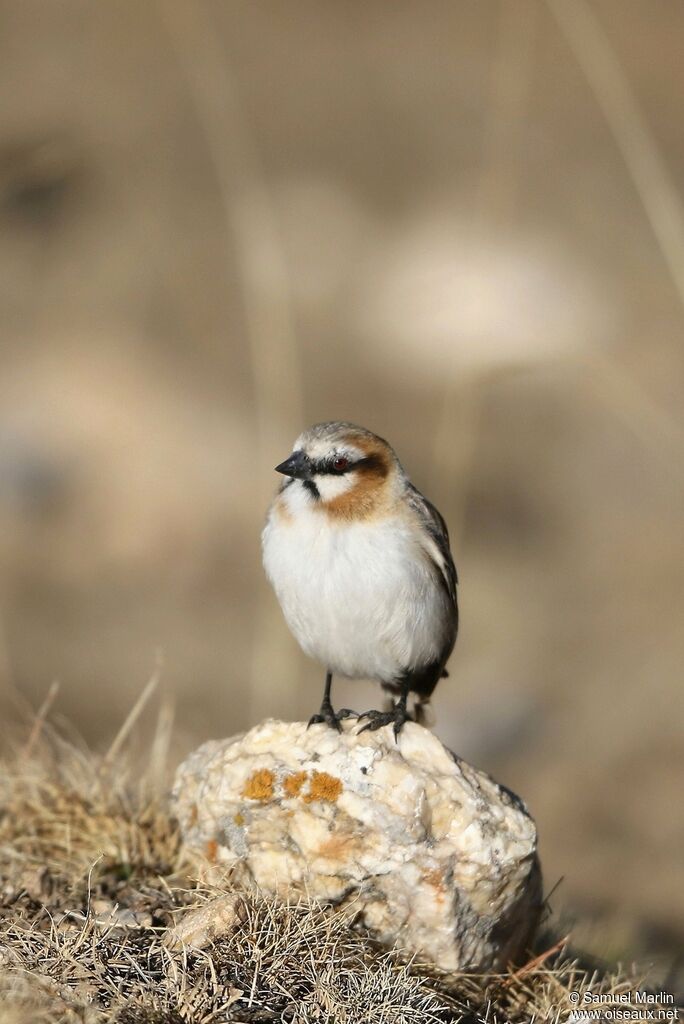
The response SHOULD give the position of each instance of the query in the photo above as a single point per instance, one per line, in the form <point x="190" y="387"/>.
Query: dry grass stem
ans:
<point x="133" y="716"/>
<point x="43" y="712"/>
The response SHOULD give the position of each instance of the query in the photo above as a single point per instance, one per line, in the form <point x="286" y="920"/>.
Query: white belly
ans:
<point x="359" y="597"/>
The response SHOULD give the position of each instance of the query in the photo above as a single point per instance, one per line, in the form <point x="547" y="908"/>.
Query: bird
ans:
<point x="362" y="568"/>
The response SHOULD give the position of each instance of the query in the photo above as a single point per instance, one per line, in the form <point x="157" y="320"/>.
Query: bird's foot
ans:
<point x="397" y="716"/>
<point x="328" y="716"/>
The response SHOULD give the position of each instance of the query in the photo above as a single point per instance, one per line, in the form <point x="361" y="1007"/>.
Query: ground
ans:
<point x="93" y="875"/>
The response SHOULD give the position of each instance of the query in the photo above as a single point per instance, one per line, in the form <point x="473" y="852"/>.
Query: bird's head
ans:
<point x="340" y="468"/>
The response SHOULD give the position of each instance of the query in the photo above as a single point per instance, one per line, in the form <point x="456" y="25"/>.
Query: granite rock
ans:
<point x="433" y="854"/>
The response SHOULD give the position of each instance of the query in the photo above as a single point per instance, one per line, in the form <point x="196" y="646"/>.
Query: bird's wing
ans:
<point x="436" y="539"/>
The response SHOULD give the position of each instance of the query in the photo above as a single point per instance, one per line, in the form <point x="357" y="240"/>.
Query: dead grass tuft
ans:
<point x="92" y="877"/>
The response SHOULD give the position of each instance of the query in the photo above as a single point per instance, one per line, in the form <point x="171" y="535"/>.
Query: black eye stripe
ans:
<point x="325" y="467"/>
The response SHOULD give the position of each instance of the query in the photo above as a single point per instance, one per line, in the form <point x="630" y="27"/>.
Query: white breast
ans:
<point x="360" y="597"/>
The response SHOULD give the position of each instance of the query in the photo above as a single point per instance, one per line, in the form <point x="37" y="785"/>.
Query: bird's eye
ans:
<point x="340" y="463"/>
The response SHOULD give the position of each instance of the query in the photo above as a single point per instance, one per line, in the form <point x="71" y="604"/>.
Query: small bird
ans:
<point x="361" y="565"/>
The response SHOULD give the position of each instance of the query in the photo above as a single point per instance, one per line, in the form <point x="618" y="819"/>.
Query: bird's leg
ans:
<point x="327" y="714"/>
<point x="397" y="715"/>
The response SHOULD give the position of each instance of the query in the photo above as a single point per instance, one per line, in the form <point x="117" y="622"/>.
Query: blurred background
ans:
<point x="459" y="224"/>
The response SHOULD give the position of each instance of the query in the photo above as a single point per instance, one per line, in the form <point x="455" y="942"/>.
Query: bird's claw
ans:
<point x="347" y="713"/>
<point x="397" y="716"/>
<point x="328" y="716"/>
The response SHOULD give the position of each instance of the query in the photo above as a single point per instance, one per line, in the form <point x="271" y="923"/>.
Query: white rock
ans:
<point x="435" y="856"/>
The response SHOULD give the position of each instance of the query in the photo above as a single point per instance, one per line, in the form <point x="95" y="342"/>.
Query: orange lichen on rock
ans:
<point x="293" y="783"/>
<point x="323" y="787"/>
<point x="259" y="785"/>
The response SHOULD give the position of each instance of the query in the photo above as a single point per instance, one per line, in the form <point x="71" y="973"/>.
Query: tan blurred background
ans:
<point x="456" y="223"/>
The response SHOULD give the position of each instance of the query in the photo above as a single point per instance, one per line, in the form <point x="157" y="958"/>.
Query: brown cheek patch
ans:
<point x="378" y="458"/>
<point x="361" y="502"/>
<point x="370" y="494"/>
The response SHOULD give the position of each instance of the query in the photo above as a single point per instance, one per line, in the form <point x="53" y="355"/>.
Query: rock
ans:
<point x="200" y="926"/>
<point x="435" y="856"/>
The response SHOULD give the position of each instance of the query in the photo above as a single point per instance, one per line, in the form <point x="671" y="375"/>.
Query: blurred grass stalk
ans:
<point x="455" y="443"/>
<point x="456" y="436"/>
<point x="252" y="236"/>
<point x="662" y="204"/>
<point x="609" y="83"/>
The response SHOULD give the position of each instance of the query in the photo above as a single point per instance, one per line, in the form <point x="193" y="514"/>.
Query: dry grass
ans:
<point x="92" y="876"/>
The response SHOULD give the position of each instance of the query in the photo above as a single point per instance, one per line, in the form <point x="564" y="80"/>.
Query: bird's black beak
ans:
<point x="298" y="465"/>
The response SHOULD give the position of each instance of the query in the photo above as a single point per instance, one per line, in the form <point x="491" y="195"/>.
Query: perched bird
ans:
<point x="361" y="566"/>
